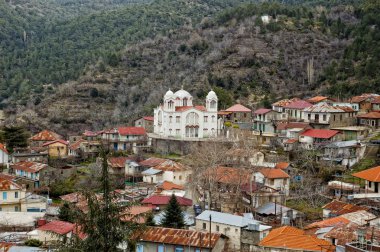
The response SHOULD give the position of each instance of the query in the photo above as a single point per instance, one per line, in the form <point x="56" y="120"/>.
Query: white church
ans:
<point x="177" y="117"/>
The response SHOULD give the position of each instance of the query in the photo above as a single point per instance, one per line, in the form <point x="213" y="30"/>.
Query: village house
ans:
<point x="147" y="122"/>
<point x="43" y="137"/>
<point x="345" y="153"/>
<point x="338" y="189"/>
<point x="133" y="171"/>
<point x="29" y="156"/>
<point x="375" y="104"/>
<point x="372" y="179"/>
<point x="353" y="132"/>
<point x="371" y="119"/>
<point x="326" y="116"/>
<point x="274" y="178"/>
<point x="179" y="118"/>
<point x="272" y="212"/>
<point x="116" y="165"/>
<point x="315" y="138"/>
<point x="288" y="239"/>
<point x="232" y="226"/>
<point x="237" y="156"/>
<point x="264" y="120"/>
<point x="159" y="239"/>
<point x="318" y="99"/>
<point x="14" y="198"/>
<point x="279" y="107"/>
<point x="159" y="202"/>
<point x="239" y="114"/>
<point x="337" y="208"/>
<point x="28" y="173"/>
<point x="289" y="132"/>
<point x="124" y="138"/>
<point x="167" y="171"/>
<point x="294" y="110"/>
<point x="57" y="148"/>
<point x="54" y="231"/>
<point x="354" y="106"/>
<point x="169" y="188"/>
<point x="4" y="155"/>
<point x="364" y="101"/>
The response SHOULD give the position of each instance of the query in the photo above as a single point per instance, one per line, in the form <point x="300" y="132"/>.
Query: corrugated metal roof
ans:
<point x="342" y="144"/>
<point x="224" y="218"/>
<point x="271" y="208"/>
<point x="326" y="108"/>
<point x="151" y="171"/>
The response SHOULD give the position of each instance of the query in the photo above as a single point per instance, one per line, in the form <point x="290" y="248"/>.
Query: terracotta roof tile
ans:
<point x="326" y="108"/>
<point x="28" y="166"/>
<point x="376" y="100"/>
<point x="282" y="165"/>
<point x="76" y="145"/>
<point x="273" y="173"/>
<point x="363" y="97"/>
<point x="117" y="162"/>
<point x="317" y="99"/>
<point x="293" y="125"/>
<point x="7" y="184"/>
<point x="164" y="200"/>
<point x="299" y="104"/>
<point x="370" y="115"/>
<point x="284" y="102"/>
<point x="261" y="111"/>
<point x="338" y="207"/>
<point x="184" y="108"/>
<point x="56" y="141"/>
<point x="238" y="108"/>
<point x="45" y="135"/>
<point x="291" y="141"/>
<point x="181" y="237"/>
<point x="152" y="162"/>
<point x="3" y="148"/>
<point x="124" y="131"/>
<point x="320" y="133"/>
<point x="166" y="185"/>
<point x="292" y="238"/>
<point x="372" y="174"/>
<point x="331" y="222"/>
<point x="170" y="165"/>
<point x="229" y="175"/>
<point x="136" y="214"/>
<point x="58" y="227"/>
<point x="148" y="118"/>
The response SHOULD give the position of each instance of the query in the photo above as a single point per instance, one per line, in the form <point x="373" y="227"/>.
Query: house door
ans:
<point x="376" y="187"/>
<point x="115" y="146"/>
<point x="316" y="118"/>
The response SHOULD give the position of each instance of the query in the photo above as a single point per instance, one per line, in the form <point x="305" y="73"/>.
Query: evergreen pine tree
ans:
<point x="65" y="213"/>
<point x="150" y="220"/>
<point x="173" y="216"/>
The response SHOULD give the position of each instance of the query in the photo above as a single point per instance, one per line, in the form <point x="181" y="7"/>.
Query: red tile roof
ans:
<point x="148" y="118"/>
<point x="370" y="115"/>
<point x="7" y="184"/>
<point x="363" y="97"/>
<point x="56" y="141"/>
<point x="2" y="147"/>
<point x="299" y="104"/>
<point x="273" y="173"/>
<point x="28" y="166"/>
<point x="372" y="174"/>
<point x="136" y="214"/>
<point x="117" y="162"/>
<point x="184" y="108"/>
<point x="331" y="222"/>
<point x="338" y="207"/>
<point x="284" y="102"/>
<point x="124" y="131"/>
<point x="58" y="227"/>
<point x="45" y="135"/>
<point x="74" y="197"/>
<point x="182" y="237"/>
<point x="291" y="141"/>
<point x="76" y="145"/>
<point x="238" y="108"/>
<point x="317" y="99"/>
<point x="295" y="239"/>
<point x="152" y="162"/>
<point x="91" y="133"/>
<point x="261" y="111"/>
<point x="170" y="165"/>
<point x="158" y="200"/>
<point x="229" y="175"/>
<point x="376" y="100"/>
<point x="320" y="133"/>
<point x="292" y="125"/>
<point x="166" y="185"/>
<point x="282" y="165"/>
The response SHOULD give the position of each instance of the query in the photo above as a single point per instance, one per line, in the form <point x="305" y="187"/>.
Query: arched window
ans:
<point x="192" y="118"/>
<point x="159" y="117"/>
<point x="213" y="119"/>
<point x="170" y="104"/>
<point x="184" y="101"/>
<point x="213" y="104"/>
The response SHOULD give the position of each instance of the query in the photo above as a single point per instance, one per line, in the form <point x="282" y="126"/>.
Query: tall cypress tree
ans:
<point x="173" y="216"/>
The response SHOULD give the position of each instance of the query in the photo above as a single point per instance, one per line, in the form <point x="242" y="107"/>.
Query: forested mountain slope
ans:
<point x="234" y="53"/>
<point x="40" y="48"/>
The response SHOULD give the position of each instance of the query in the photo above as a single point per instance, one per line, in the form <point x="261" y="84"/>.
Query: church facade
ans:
<point x="178" y="118"/>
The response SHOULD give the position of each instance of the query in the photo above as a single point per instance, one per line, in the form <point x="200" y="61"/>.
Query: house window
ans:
<point x="204" y="225"/>
<point x="170" y="119"/>
<point x="369" y="184"/>
<point x="234" y="114"/>
<point x="16" y="209"/>
<point x="334" y="117"/>
<point x="140" y="248"/>
<point x="180" y="178"/>
<point x="213" y="119"/>
<point x="341" y="117"/>
<point x="245" y="115"/>
<point x="217" y="228"/>
<point x="177" y="132"/>
<point x="324" y="117"/>
<point x="5" y="195"/>
<point x="205" y="118"/>
<point x="16" y="195"/>
<point x="160" y="248"/>
<point x="170" y="131"/>
<point x="179" y="249"/>
<point x="177" y="119"/>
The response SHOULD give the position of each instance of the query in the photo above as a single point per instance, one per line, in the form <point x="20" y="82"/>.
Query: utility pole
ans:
<point x="210" y="248"/>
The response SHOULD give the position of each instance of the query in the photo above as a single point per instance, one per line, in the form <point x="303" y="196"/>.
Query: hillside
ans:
<point x="40" y="48"/>
<point x="234" y="53"/>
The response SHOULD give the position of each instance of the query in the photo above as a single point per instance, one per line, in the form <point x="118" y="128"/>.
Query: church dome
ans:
<point x="169" y="93"/>
<point x="211" y="95"/>
<point x="182" y="94"/>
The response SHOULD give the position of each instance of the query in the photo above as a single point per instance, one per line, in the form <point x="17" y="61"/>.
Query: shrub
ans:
<point x="33" y="243"/>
